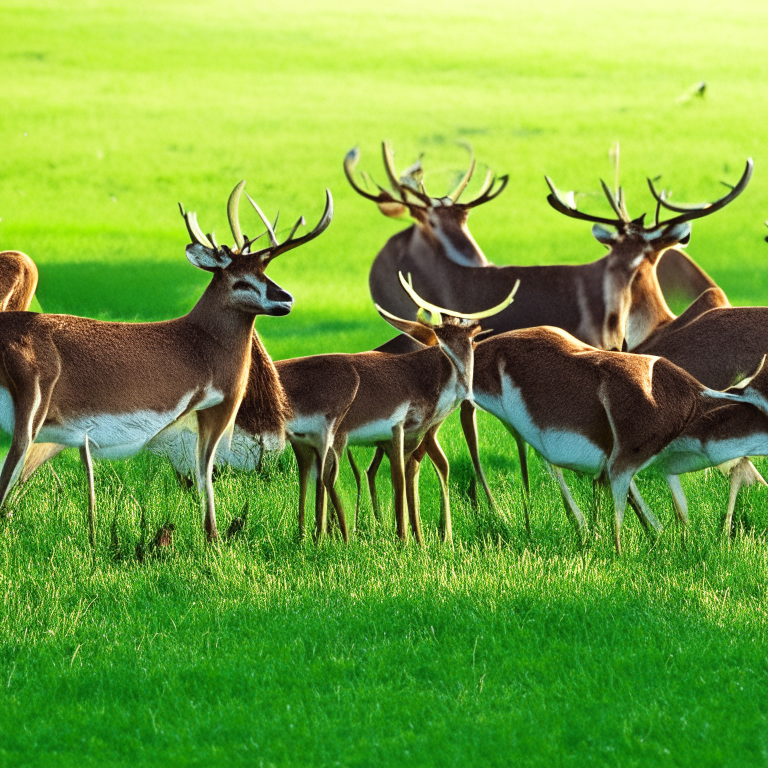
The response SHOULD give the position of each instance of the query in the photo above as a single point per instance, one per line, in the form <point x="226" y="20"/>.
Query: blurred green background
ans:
<point x="112" y="112"/>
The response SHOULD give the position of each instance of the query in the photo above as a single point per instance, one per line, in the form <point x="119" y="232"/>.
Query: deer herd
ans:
<point x="586" y="364"/>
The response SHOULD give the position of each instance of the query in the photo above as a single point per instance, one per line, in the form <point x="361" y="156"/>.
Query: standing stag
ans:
<point x="590" y="301"/>
<point x="644" y="308"/>
<point x="110" y="388"/>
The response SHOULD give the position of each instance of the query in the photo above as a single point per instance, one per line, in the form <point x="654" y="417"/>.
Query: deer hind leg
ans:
<point x="30" y="407"/>
<point x="523" y="456"/>
<point x="647" y="519"/>
<point x="85" y="457"/>
<point x="212" y="423"/>
<point x="743" y="473"/>
<point x="440" y="462"/>
<point x="572" y="509"/>
<point x="331" y="476"/>
<point x="469" y="427"/>
<point x="370" y="473"/>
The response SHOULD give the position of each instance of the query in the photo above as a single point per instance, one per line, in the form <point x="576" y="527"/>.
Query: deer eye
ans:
<point x="242" y="285"/>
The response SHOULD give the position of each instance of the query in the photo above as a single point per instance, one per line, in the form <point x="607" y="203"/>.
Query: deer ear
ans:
<point x="393" y="209"/>
<point x="417" y="331"/>
<point x="603" y="235"/>
<point x="207" y="258"/>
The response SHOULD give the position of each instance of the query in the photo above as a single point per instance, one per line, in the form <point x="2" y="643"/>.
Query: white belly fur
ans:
<point x="111" y="436"/>
<point x="178" y="443"/>
<point x="560" y="447"/>
<point x="378" y="431"/>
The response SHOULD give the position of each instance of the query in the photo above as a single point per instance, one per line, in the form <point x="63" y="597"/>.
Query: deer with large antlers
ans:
<point x="590" y="301"/>
<point x="643" y="305"/>
<point x="110" y="388"/>
<point x="397" y="400"/>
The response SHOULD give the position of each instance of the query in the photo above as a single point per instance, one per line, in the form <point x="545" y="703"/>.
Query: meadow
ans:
<point x="503" y="650"/>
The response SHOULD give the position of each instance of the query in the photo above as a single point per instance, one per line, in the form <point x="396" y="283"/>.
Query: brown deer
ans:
<point x="110" y="388"/>
<point x="590" y="301"/>
<point x="644" y="308"/>
<point x="590" y="410"/>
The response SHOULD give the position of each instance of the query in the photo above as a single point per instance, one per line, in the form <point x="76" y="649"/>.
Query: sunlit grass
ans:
<point x="503" y="650"/>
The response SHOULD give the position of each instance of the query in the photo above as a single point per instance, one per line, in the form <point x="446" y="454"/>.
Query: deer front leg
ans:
<point x="370" y="473"/>
<point x="85" y="457"/>
<point x="305" y="458"/>
<point x="440" y="462"/>
<point x="572" y="509"/>
<point x="469" y="427"/>
<point x="412" y="469"/>
<point x="397" y="466"/>
<point x="647" y="519"/>
<point x="358" y="484"/>
<point x="332" y="474"/>
<point x="212" y="423"/>
<point x="619" y="490"/>
<point x="743" y="473"/>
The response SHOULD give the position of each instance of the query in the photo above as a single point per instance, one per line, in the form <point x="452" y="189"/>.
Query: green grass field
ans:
<point x="505" y="650"/>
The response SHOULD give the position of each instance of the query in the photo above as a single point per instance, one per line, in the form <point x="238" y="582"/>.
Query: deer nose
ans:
<point x="276" y="294"/>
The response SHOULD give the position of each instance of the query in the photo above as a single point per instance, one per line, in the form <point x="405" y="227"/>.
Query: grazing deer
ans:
<point x="110" y="388"/>
<point x="590" y="410"/>
<point x="18" y="281"/>
<point x="397" y="401"/>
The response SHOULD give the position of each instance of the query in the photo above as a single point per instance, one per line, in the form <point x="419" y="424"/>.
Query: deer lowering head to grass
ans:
<point x="597" y="412"/>
<point x="385" y="400"/>
<point x="110" y="388"/>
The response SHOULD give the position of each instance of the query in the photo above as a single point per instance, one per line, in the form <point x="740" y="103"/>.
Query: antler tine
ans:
<point x="270" y="231"/>
<point x="190" y="219"/>
<point x="277" y="248"/>
<point x="462" y="185"/>
<point x="623" y="204"/>
<point x="690" y="212"/>
<point x="233" y="214"/>
<point x="350" y="163"/>
<point x="389" y="166"/>
<point x="555" y="199"/>
<point x="408" y="286"/>
<point x="488" y="192"/>
<point x="614" y="202"/>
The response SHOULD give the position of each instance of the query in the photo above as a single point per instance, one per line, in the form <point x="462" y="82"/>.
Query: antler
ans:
<point x="568" y="207"/>
<point x="190" y="219"/>
<point x="275" y="247"/>
<point x="690" y="212"/>
<point x="462" y="185"/>
<point x="350" y="163"/>
<point x="437" y="311"/>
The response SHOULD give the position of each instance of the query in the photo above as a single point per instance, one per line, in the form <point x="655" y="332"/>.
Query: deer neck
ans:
<point x="648" y="310"/>
<point x="230" y="327"/>
<point x="455" y="244"/>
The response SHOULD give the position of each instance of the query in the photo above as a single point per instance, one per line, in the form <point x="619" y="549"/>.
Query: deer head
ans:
<point x="632" y="243"/>
<point x="239" y="269"/>
<point x="442" y="221"/>
<point x="452" y="331"/>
